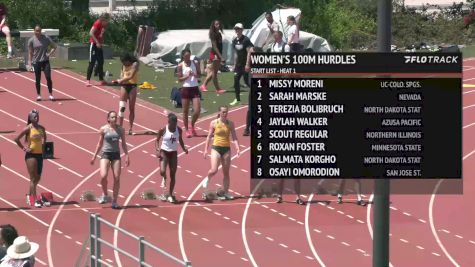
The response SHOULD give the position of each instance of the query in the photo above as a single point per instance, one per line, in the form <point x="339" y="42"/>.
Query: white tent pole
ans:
<point x="112" y="5"/>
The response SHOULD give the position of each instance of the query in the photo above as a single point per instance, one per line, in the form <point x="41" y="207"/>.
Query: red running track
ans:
<point x="426" y="230"/>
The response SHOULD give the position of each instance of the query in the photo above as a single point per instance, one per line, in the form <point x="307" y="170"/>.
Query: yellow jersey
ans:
<point x="222" y="132"/>
<point x="127" y="71"/>
<point x="35" y="140"/>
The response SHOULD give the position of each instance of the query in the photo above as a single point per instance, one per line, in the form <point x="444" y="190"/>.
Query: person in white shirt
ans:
<point x="293" y="34"/>
<point x="279" y="46"/>
<point x="273" y="27"/>
<point x="171" y="136"/>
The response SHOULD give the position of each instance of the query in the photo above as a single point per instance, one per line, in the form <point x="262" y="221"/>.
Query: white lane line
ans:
<point x="269" y="238"/>
<point x="422" y="221"/>
<point x="307" y="232"/>
<point x="346" y="244"/>
<point x="419" y="247"/>
<point x="404" y="240"/>
<point x="431" y="220"/>
<point x="283" y="245"/>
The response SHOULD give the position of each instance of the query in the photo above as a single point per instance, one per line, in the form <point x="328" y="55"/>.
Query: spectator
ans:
<point x="8" y="234"/>
<point x="279" y="45"/>
<point x="273" y="27"/>
<point x="21" y="253"/>
<point x="293" y="34"/>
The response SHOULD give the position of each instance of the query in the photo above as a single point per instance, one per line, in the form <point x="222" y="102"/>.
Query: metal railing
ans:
<point x="96" y="242"/>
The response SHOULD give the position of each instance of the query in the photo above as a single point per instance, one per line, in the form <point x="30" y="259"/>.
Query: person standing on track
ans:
<point x="5" y="29"/>
<point x="35" y="138"/>
<point x="167" y="153"/>
<point x="128" y="91"/>
<point x="215" y="56"/>
<point x="222" y="130"/>
<point x="110" y="134"/>
<point x="95" y="50"/>
<point x="188" y="73"/>
<point x="242" y="47"/>
<point x="38" y="60"/>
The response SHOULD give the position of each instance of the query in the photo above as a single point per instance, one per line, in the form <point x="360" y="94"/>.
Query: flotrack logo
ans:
<point x="431" y="59"/>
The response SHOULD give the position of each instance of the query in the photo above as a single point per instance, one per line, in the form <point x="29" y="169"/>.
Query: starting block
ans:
<point x="213" y="194"/>
<point x="148" y="194"/>
<point x="88" y="196"/>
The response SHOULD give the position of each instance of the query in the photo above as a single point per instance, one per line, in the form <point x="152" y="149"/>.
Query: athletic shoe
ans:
<point x="115" y="206"/>
<point x="45" y="201"/>
<point x="38" y="204"/>
<point x="51" y="97"/>
<point x="246" y="132"/>
<point x="235" y="102"/>
<point x="299" y="201"/>
<point x="339" y="200"/>
<point x="103" y="199"/>
<point x="30" y="200"/>
<point x="189" y="134"/>
<point x="88" y="83"/>
<point x="38" y="98"/>
<point x="220" y="91"/>
<point x="163" y="197"/>
<point x="278" y="200"/>
<point x="9" y="55"/>
<point x="226" y="196"/>
<point x="172" y="199"/>
<point x="361" y="203"/>
<point x="203" y="88"/>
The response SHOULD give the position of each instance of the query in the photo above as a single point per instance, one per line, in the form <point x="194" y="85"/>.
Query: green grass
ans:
<point x="164" y="81"/>
<point x="468" y="51"/>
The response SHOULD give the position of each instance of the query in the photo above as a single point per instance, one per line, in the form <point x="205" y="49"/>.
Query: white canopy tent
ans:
<point x="168" y="44"/>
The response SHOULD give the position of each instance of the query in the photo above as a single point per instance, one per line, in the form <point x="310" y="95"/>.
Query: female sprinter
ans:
<point x="110" y="134"/>
<point x="188" y="73"/>
<point x="167" y="152"/>
<point x="35" y="138"/>
<point x="223" y="132"/>
<point x="128" y="91"/>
